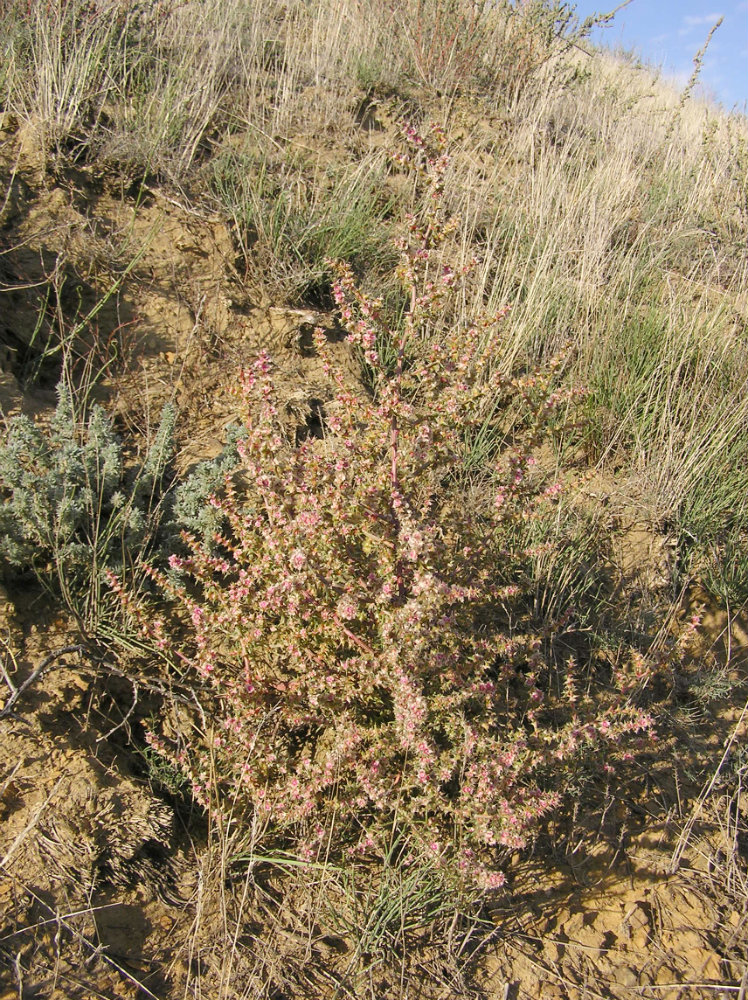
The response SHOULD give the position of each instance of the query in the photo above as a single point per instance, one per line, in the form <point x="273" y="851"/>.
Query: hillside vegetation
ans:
<point x="374" y="506"/>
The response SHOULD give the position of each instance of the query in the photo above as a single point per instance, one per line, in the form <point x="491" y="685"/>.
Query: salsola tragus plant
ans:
<point x="356" y="624"/>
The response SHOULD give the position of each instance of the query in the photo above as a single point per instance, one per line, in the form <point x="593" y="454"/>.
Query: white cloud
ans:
<point x="694" y="22"/>
<point x="690" y="23"/>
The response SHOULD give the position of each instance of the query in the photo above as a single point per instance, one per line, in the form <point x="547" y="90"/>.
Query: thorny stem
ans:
<point x="394" y="426"/>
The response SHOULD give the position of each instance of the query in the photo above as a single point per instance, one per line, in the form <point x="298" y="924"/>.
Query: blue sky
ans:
<point x="668" y="33"/>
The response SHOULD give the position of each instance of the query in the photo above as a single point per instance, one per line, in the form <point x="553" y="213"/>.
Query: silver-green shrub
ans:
<point x="70" y="505"/>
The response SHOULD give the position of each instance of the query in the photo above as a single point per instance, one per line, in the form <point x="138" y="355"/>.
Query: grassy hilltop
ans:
<point x="373" y="499"/>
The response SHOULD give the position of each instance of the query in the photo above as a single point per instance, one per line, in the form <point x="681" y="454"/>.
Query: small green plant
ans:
<point x="359" y="630"/>
<point x="725" y="572"/>
<point x="161" y="772"/>
<point x="70" y="508"/>
<point x="412" y="894"/>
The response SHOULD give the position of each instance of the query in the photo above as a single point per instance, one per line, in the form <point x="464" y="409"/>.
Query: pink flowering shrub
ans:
<point x="356" y="622"/>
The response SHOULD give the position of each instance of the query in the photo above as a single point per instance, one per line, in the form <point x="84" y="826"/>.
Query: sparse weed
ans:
<point x="288" y="230"/>
<point x="63" y="63"/>
<point x="386" y="918"/>
<point x="724" y="559"/>
<point x="447" y="42"/>
<point x="161" y="772"/>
